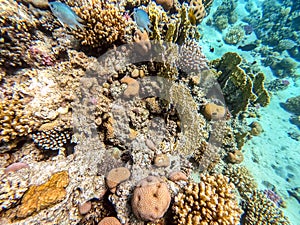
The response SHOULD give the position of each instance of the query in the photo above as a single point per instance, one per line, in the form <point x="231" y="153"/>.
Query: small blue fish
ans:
<point x="66" y="15"/>
<point x="142" y="19"/>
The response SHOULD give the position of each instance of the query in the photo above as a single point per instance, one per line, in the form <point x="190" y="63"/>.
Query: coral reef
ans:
<point x="151" y="199"/>
<point x="104" y="23"/>
<point x="292" y="105"/>
<point x="190" y="58"/>
<point x="243" y="180"/>
<point x="43" y="196"/>
<point x="210" y="201"/>
<point x="234" y="35"/>
<point x="259" y="209"/>
<point x="18" y="27"/>
<point x="239" y="88"/>
<point x="12" y="187"/>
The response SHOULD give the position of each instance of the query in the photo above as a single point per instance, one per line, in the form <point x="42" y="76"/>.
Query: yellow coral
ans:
<point x="45" y="195"/>
<point x="104" y="23"/>
<point x="209" y="202"/>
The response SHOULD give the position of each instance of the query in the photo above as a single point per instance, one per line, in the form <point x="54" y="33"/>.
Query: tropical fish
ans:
<point x="248" y="47"/>
<point x="142" y="19"/>
<point x="66" y="15"/>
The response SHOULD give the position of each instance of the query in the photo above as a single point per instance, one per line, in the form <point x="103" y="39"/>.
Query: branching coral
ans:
<point x="260" y="210"/>
<point x="104" y="23"/>
<point x="243" y="180"/>
<point x="209" y="202"/>
<point x="17" y="32"/>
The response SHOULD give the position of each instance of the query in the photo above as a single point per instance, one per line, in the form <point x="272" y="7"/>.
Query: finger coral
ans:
<point x="261" y="210"/>
<point x="210" y="202"/>
<point x="104" y="23"/>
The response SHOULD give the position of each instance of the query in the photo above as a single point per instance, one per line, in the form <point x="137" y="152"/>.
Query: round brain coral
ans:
<point x="209" y="202"/>
<point x="151" y="199"/>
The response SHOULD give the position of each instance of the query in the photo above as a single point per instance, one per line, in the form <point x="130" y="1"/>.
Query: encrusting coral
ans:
<point x="43" y="196"/>
<point x="211" y="201"/>
<point x="104" y="23"/>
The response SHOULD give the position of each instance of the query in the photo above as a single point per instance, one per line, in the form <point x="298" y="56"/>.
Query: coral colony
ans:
<point x="111" y="112"/>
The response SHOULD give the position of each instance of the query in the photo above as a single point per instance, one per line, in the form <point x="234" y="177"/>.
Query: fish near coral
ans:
<point x="66" y="15"/>
<point x="142" y="19"/>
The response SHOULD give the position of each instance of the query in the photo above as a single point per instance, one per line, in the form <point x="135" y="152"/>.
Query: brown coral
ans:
<point x="17" y="32"/>
<point x="104" y="23"/>
<point x="44" y="195"/>
<point x="209" y="202"/>
<point x="196" y="12"/>
<point x="116" y="176"/>
<point x="260" y="210"/>
<point x="151" y="199"/>
<point x="243" y="180"/>
<point x="109" y="221"/>
<point x="213" y="111"/>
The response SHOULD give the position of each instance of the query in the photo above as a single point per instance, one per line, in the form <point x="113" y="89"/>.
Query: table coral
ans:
<point x="151" y="199"/>
<point x="210" y="202"/>
<point x="104" y="23"/>
<point x="45" y="195"/>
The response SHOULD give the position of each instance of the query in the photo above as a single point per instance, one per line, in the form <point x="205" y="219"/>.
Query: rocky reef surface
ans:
<point x="109" y="123"/>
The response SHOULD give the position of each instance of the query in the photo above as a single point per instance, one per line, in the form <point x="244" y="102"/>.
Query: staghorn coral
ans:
<point x="210" y="202"/>
<point x="151" y="199"/>
<point x="43" y="196"/>
<point x="104" y="23"/>
<point x="243" y="180"/>
<point x="260" y="210"/>
<point x="17" y="32"/>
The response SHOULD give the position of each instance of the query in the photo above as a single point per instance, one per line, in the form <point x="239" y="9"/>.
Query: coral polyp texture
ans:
<point x="212" y="201"/>
<point x="103" y="23"/>
<point x="151" y="199"/>
<point x="260" y="210"/>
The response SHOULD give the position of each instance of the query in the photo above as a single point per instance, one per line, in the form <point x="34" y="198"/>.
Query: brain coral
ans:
<point x="104" y="23"/>
<point x="151" y="199"/>
<point x="209" y="202"/>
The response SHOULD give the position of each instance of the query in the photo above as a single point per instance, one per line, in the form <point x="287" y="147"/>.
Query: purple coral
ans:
<point x="273" y="196"/>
